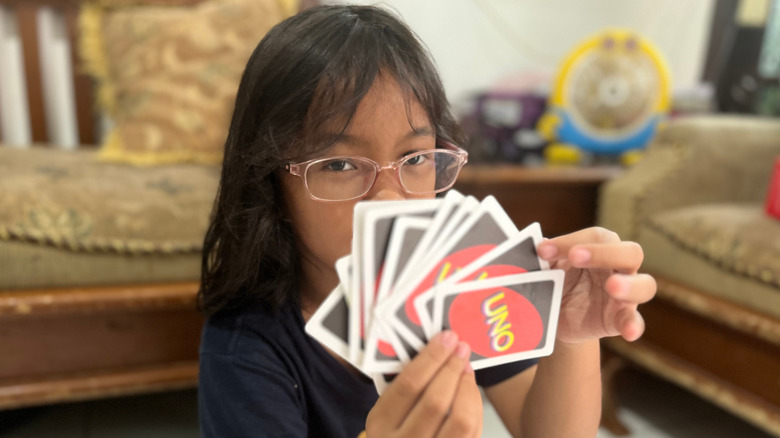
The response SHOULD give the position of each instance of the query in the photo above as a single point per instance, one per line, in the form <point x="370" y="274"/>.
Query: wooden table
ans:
<point x="562" y="199"/>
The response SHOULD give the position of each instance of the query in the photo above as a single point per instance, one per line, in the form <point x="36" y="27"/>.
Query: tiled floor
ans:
<point x="169" y="415"/>
<point x="651" y="409"/>
<point x="655" y="409"/>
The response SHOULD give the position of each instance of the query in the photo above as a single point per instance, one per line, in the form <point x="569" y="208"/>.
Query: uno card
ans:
<point x="484" y="229"/>
<point x="355" y="303"/>
<point x="344" y="272"/>
<point x="330" y="323"/>
<point x="384" y="353"/>
<point x="466" y="208"/>
<point x="373" y="222"/>
<point x="514" y="256"/>
<point x="378" y="224"/>
<point x="406" y="236"/>
<point x="505" y="319"/>
<point x="380" y="356"/>
<point x="354" y="290"/>
<point x="453" y="205"/>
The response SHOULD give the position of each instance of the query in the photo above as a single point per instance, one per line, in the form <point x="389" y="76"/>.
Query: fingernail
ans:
<point x="463" y="350"/>
<point x="548" y="251"/>
<point x="580" y="256"/>
<point x="448" y="338"/>
<point x="619" y="287"/>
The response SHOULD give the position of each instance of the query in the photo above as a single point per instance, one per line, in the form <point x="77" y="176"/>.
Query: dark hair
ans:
<point x="309" y="72"/>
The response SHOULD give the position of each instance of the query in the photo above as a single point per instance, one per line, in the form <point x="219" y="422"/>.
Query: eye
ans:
<point x="338" y="166"/>
<point x="414" y="161"/>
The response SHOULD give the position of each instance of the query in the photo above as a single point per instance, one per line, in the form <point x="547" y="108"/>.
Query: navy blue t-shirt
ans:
<point x="261" y="375"/>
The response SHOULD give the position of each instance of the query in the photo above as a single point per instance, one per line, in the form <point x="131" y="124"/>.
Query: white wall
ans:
<point x="477" y="42"/>
<point x="56" y="80"/>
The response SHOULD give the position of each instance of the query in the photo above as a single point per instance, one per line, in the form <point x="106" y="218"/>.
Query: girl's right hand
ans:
<point x="434" y="396"/>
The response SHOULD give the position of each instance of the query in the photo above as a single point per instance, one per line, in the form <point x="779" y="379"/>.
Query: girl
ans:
<point x="352" y="83"/>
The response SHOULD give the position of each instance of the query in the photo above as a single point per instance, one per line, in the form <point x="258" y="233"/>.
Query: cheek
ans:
<point x="325" y="230"/>
<point x="332" y="226"/>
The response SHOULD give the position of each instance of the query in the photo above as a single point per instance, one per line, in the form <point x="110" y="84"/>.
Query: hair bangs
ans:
<point x="346" y="79"/>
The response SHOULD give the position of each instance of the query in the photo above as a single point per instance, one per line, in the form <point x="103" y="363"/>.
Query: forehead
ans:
<point x="385" y="106"/>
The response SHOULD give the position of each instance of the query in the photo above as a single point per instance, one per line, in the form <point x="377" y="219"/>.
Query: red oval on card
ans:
<point x="444" y="269"/>
<point x="385" y="348"/>
<point x="496" y="321"/>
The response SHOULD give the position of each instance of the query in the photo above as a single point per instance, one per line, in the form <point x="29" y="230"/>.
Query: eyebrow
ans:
<point x="332" y="139"/>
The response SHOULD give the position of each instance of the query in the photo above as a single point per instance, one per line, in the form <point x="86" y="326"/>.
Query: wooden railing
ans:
<point x="45" y="98"/>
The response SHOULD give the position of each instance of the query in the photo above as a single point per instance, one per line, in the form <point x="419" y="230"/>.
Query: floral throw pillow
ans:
<point x="168" y="74"/>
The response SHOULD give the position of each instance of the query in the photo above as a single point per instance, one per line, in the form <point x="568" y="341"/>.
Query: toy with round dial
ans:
<point x="611" y="93"/>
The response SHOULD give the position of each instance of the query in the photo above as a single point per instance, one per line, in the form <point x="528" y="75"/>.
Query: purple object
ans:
<point x="500" y="116"/>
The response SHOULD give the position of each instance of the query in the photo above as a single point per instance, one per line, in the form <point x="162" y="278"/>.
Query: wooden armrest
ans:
<point x="79" y="300"/>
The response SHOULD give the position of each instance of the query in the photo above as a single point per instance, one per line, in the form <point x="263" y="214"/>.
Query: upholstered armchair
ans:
<point x="695" y="203"/>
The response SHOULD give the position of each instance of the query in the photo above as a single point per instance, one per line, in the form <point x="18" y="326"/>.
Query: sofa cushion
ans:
<point x="126" y="3"/>
<point x="66" y="219"/>
<point x="25" y="266"/>
<point x="730" y="250"/>
<point x="168" y="75"/>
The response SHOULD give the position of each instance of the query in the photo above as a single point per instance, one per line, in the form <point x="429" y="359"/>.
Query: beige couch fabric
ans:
<point x="730" y="250"/>
<point x="66" y="219"/>
<point x="26" y="265"/>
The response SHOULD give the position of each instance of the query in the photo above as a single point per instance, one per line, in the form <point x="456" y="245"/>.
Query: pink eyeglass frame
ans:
<point x="299" y="169"/>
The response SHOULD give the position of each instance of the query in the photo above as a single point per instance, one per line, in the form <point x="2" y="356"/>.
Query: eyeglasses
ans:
<point x="345" y="178"/>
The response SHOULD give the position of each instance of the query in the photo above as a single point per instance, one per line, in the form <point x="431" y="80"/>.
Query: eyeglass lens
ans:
<point x="346" y="178"/>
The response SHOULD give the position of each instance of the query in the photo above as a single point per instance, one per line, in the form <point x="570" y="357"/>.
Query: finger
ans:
<point x="397" y="400"/>
<point x="630" y="324"/>
<point x="465" y="418"/>
<point x="558" y="248"/>
<point x="433" y="407"/>
<point x="625" y="257"/>
<point x="635" y="289"/>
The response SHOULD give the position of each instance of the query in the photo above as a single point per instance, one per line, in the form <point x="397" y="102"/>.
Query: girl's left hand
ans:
<point x="602" y="287"/>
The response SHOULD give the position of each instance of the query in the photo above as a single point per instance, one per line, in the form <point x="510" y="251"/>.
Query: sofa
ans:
<point x="100" y="241"/>
<point x="695" y="202"/>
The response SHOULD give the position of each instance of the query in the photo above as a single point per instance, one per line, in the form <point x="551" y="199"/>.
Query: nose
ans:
<point x="386" y="188"/>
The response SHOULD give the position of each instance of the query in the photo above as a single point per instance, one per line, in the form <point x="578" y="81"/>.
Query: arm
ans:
<point x="602" y="289"/>
<point x="561" y="396"/>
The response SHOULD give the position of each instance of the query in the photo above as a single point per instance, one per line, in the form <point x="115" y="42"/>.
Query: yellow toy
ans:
<point x="610" y="94"/>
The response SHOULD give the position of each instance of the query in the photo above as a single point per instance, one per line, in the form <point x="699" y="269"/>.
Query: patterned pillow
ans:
<point x="168" y="74"/>
<point x="125" y="3"/>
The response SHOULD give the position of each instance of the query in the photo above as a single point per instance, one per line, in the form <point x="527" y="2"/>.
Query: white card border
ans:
<point x="556" y="275"/>
<point x="315" y="328"/>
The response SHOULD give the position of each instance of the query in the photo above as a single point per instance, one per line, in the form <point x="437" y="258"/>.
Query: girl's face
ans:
<point x="381" y="130"/>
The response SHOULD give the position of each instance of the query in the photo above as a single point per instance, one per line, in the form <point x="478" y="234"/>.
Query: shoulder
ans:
<point x="247" y="382"/>
<point x="253" y="335"/>
<point x="253" y="347"/>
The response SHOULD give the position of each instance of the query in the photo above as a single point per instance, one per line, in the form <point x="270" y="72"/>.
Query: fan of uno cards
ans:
<point x="418" y="267"/>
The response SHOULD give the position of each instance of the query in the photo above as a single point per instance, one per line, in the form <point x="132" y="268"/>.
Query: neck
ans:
<point x="318" y="282"/>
